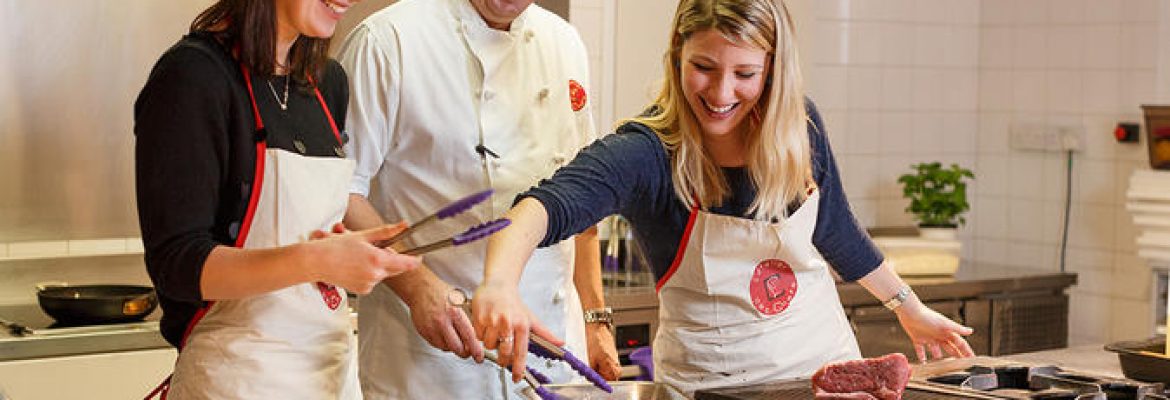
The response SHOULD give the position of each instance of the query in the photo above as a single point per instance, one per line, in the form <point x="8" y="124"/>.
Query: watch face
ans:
<point x="456" y="297"/>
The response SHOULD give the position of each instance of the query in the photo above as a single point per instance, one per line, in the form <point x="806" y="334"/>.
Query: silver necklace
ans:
<point x="283" y="103"/>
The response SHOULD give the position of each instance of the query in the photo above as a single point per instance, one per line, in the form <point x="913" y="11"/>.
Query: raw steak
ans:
<point x="882" y="378"/>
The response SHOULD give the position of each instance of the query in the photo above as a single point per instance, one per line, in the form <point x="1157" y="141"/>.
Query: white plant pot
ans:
<point x="937" y="233"/>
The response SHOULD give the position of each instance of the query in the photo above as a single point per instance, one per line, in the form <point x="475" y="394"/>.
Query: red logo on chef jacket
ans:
<point x="773" y="286"/>
<point x="329" y="294"/>
<point x="577" y="95"/>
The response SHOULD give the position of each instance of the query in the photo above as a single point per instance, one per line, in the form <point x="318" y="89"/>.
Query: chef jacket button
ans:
<point x="528" y="34"/>
<point x="488" y="94"/>
<point x="559" y="296"/>
<point x="543" y="93"/>
<point x="299" y="145"/>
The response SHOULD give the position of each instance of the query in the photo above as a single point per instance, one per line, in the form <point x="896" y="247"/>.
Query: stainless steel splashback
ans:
<point x="69" y="73"/>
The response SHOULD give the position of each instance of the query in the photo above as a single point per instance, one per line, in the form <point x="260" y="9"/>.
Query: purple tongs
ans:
<point x="470" y="235"/>
<point x="542" y="348"/>
<point x="545" y="349"/>
<point x="532" y="377"/>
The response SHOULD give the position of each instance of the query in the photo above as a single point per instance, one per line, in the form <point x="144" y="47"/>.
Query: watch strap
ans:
<point x="898" y="299"/>
<point x="602" y="315"/>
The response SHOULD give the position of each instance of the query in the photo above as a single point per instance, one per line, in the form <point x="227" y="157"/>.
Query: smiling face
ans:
<point x="499" y="14"/>
<point x="721" y="80"/>
<point x="312" y="18"/>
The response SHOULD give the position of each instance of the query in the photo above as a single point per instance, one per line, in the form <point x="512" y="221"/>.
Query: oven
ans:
<point x="629" y="291"/>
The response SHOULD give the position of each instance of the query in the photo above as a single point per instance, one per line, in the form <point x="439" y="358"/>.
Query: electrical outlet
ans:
<point x="1039" y="136"/>
<point x="1072" y="137"/>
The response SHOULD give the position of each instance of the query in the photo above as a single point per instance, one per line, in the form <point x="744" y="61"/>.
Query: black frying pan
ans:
<point x="96" y="304"/>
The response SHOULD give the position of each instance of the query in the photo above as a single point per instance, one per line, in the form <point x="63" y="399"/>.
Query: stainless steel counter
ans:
<point x="1092" y="359"/>
<point x="971" y="280"/>
<point x="134" y="337"/>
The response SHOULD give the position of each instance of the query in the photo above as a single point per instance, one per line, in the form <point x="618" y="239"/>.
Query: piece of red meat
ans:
<point x="881" y="378"/>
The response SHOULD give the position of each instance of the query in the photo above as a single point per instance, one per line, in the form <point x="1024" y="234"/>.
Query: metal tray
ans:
<point x="623" y="390"/>
<point x="1144" y="360"/>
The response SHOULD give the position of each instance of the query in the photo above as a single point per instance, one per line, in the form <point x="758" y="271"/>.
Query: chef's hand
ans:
<point x="443" y="324"/>
<point x="503" y="322"/>
<point x="932" y="331"/>
<point x="348" y="259"/>
<point x="603" y="356"/>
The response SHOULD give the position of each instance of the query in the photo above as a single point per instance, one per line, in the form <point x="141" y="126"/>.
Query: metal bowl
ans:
<point x="623" y="390"/>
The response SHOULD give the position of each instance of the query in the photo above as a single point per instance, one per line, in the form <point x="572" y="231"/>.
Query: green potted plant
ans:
<point x="938" y="197"/>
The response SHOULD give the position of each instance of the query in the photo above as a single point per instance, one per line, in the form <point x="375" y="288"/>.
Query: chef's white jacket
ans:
<point x="431" y="83"/>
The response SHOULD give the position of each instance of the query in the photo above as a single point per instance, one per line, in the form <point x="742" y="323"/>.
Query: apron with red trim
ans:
<point x="747" y="302"/>
<point x="292" y="343"/>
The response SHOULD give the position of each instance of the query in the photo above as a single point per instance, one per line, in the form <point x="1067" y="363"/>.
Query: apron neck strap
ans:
<point x="260" y="121"/>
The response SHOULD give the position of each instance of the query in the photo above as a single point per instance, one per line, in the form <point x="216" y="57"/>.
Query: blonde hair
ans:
<point x="778" y="159"/>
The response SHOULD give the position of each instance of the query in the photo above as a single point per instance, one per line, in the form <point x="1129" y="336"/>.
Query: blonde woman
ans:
<point x="731" y="188"/>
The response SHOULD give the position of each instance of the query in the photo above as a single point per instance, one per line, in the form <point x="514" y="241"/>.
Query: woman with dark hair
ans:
<point x="239" y="168"/>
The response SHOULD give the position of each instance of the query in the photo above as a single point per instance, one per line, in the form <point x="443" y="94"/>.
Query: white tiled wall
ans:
<point x="1084" y="62"/>
<point x="903" y="81"/>
<point x="906" y="81"/>
<point x="898" y="83"/>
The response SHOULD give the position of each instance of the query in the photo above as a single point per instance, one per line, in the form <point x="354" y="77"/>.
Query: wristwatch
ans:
<point x="456" y="297"/>
<point x="894" y="302"/>
<point x="599" y="316"/>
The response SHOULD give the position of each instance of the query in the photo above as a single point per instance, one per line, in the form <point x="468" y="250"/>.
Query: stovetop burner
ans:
<point x="36" y="322"/>
<point x="1000" y="379"/>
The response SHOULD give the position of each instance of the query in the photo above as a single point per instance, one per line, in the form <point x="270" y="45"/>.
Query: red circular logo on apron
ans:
<point x="329" y="294"/>
<point x="773" y="286"/>
<point x="576" y="95"/>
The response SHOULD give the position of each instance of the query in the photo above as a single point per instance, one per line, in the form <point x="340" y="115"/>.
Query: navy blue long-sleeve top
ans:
<point x="628" y="173"/>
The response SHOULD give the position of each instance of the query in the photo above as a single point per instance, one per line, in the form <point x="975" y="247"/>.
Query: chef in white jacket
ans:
<point x="450" y="97"/>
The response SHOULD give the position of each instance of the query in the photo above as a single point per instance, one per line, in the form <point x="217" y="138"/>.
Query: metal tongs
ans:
<point x="470" y="235"/>
<point x="542" y="348"/>
<point x="532" y="377"/>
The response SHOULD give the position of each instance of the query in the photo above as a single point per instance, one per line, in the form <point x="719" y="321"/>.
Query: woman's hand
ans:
<point x="932" y="331"/>
<point x="348" y="259"/>
<point x="503" y="323"/>
<point x="603" y="356"/>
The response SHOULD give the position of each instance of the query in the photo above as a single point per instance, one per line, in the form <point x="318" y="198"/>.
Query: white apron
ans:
<point x="293" y="343"/>
<point x="457" y="84"/>
<point x="748" y="302"/>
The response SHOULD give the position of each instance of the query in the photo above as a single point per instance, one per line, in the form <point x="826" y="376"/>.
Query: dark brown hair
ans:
<point x="249" y="27"/>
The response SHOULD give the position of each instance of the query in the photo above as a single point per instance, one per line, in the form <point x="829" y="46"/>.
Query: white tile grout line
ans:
<point x="34" y="250"/>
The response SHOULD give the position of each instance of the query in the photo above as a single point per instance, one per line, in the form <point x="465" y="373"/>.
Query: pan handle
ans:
<point x="41" y="286"/>
<point x="138" y="305"/>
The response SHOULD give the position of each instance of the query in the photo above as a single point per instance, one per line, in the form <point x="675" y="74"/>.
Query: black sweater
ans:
<point x="195" y="154"/>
